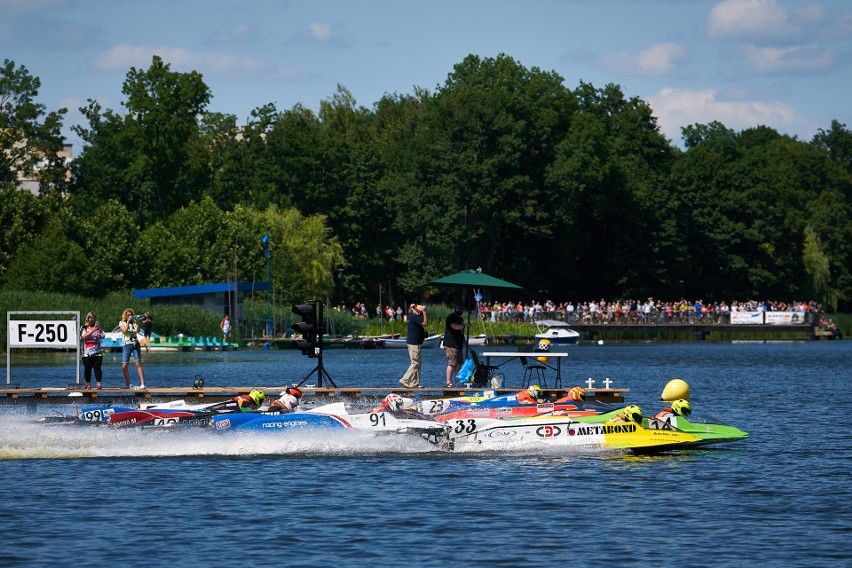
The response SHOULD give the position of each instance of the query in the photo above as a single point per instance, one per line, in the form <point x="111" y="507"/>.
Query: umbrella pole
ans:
<point x="467" y="337"/>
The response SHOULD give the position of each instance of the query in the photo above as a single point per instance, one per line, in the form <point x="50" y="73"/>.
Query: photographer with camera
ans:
<point x="417" y="322"/>
<point x="129" y="329"/>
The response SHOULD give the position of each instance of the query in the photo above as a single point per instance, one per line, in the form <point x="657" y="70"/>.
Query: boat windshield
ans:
<point x="705" y="419"/>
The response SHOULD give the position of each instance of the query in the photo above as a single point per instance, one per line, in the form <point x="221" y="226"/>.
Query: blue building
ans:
<point x="222" y="298"/>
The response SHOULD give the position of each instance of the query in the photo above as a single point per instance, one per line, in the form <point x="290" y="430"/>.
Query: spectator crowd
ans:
<point x="602" y="311"/>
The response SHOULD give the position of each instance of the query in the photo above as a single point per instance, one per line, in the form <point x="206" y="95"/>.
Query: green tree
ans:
<point x="110" y="239"/>
<point x="51" y="263"/>
<point x="22" y="215"/>
<point x="606" y="184"/>
<point x="837" y="143"/>
<point x="145" y="158"/>
<point x="477" y="197"/>
<point x="29" y="136"/>
<point x="185" y="249"/>
<point x="817" y="267"/>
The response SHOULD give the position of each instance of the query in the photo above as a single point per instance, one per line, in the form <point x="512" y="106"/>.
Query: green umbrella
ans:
<point x="473" y="278"/>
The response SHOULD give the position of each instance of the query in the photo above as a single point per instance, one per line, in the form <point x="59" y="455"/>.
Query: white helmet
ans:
<point x="289" y="402"/>
<point x="394" y="402"/>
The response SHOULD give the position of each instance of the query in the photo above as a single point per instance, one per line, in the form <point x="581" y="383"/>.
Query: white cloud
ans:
<point x="676" y="108"/>
<point x="320" y="31"/>
<point x="750" y="18"/>
<point x="323" y="33"/>
<point x="807" y="58"/>
<point x="123" y="56"/>
<point x="659" y="59"/>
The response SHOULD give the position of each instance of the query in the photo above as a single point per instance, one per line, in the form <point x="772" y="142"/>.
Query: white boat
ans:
<point x="557" y="332"/>
<point x="430" y="342"/>
<point x="543" y="432"/>
<point x="473" y="340"/>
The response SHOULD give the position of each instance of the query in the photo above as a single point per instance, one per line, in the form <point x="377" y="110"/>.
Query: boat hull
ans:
<point x="542" y="432"/>
<point x="705" y="432"/>
<point x="431" y="342"/>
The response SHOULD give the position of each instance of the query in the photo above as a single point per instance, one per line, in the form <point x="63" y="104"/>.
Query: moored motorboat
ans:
<point x="431" y="342"/>
<point x="557" y="333"/>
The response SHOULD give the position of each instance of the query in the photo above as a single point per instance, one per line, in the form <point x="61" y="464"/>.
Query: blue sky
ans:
<point x="782" y="63"/>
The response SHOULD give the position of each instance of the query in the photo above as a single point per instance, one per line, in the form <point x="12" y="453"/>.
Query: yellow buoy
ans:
<point x="675" y="389"/>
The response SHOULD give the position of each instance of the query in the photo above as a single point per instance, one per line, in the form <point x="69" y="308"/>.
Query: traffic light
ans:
<point x="309" y="328"/>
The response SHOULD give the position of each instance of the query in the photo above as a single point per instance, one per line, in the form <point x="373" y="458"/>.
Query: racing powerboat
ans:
<point x="178" y="414"/>
<point x="706" y="429"/>
<point x="333" y="416"/>
<point x="548" y="431"/>
<point x="486" y="404"/>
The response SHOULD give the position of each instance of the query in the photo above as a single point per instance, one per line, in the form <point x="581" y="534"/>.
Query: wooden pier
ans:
<point x="73" y="393"/>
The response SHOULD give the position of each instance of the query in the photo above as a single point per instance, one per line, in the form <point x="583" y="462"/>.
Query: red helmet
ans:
<point x="295" y="391"/>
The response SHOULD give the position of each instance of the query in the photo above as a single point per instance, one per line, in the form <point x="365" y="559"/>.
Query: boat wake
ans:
<point x="23" y="438"/>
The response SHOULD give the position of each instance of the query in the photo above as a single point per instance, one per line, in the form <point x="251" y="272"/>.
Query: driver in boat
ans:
<point x="630" y="413"/>
<point x="288" y="402"/>
<point x="394" y="403"/>
<point x="249" y="402"/>
<point x="532" y="395"/>
<point x="680" y="407"/>
<point x="577" y="395"/>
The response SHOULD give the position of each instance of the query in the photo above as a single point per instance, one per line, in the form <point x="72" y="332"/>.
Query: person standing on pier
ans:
<point x="93" y="356"/>
<point x="453" y="342"/>
<point x="129" y="329"/>
<point x="225" y="326"/>
<point x="417" y="322"/>
<point x="147" y="323"/>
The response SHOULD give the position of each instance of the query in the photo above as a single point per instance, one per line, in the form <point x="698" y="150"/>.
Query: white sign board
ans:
<point x="785" y="318"/>
<point x="43" y="333"/>
<point x="745" y="318"/>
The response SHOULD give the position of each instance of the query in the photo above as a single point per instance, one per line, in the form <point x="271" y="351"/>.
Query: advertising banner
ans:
<point x="746" y="318"/>
<point x="785" y="318"/>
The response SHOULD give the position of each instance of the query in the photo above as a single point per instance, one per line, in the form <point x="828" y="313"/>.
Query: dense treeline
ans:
<point x="570" y="193"/>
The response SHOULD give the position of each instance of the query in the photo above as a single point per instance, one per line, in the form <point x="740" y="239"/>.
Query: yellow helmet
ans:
<point x="633" y="413"/>
<point x="681" y="407"/>
<point x="577" y="394"/>
<point x="257" y="396"/>
<point x="535" y="392"/>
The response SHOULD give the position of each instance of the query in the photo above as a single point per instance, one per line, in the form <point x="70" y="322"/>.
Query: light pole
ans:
<point x="265" y="241"/>
<point x="340" y="279"/>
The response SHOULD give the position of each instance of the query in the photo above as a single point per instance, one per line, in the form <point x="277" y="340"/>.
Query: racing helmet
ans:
<point x="257" y="396"/>
<point x="393" y="401"/>
<point x="633" y="413"/>
<point x="295" y="391"/>
<point x="535" y="392"/>
<point x="577" y="394"/>
<point x="681" y="407"/>
<point x="289" y="402"/>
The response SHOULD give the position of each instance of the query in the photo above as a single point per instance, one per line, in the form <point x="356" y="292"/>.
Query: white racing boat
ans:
<point x="542" y="432"/>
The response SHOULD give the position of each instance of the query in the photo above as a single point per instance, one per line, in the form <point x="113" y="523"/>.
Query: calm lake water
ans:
<point x="96" y="497"/>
